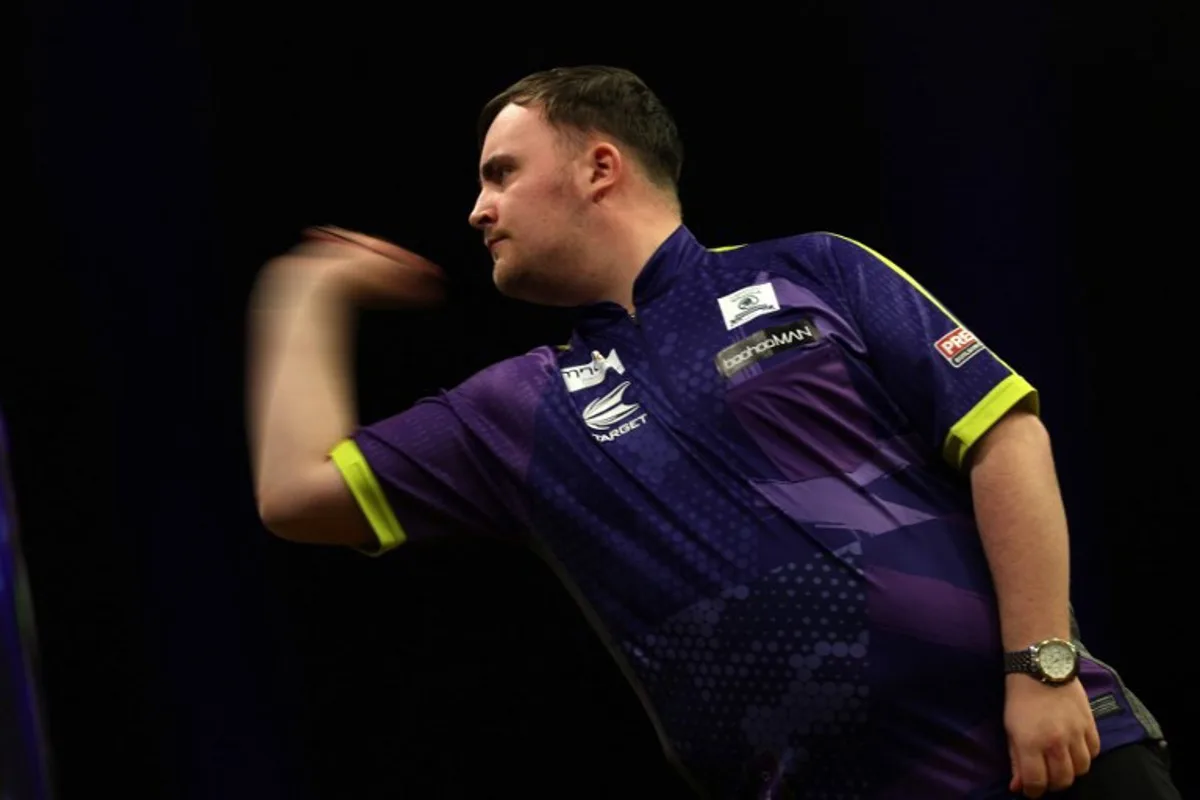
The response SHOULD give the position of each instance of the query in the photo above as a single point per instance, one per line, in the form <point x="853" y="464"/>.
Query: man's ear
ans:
<point x="604" y="166"/>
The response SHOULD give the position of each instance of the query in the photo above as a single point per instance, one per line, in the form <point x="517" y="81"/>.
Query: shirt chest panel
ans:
<point x="693" y="356"/>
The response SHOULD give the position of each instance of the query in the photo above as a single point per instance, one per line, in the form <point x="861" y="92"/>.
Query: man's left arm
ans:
<point x="1023" y="527"/>
<point x="963" y="400"/>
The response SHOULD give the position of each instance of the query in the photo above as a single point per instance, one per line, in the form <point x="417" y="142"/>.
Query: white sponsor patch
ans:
<point x="747" y="304"/>
<point x="592" y="373"/>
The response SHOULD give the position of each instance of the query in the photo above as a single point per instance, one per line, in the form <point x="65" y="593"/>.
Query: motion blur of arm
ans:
<point x="300" y="384"/>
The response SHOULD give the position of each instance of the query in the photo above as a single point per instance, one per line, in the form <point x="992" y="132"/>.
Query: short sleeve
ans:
<point x="451" y="464"/>
<point x="949" y="384"/>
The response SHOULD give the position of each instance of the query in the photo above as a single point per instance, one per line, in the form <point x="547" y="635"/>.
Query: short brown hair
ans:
<point x="607" y="100"/>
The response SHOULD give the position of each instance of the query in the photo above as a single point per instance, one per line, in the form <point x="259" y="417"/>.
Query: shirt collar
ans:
<point x="674" y="256"/>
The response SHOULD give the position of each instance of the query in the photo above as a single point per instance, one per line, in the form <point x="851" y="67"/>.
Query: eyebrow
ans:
<point x="490" y="169"/>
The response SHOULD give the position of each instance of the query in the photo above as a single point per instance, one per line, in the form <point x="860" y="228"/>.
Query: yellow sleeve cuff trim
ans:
<point x="369" y="494"/>
<point x="1010" y="392"/>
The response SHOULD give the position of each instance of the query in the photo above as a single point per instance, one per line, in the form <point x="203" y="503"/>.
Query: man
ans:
<point x="814" y="517"/>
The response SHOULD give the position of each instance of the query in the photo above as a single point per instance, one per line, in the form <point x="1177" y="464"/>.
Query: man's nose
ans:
<point x="482" y="214"/>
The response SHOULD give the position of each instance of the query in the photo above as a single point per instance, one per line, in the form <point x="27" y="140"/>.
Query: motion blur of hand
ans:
<point x="354" y="267"/>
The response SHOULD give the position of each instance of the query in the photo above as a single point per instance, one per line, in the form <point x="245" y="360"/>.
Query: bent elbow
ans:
<point x="278" y="515"/>
<point x="313" y="507"/>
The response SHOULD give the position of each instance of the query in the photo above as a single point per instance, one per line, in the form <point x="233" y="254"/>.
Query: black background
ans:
<point x="1029" y="165"/>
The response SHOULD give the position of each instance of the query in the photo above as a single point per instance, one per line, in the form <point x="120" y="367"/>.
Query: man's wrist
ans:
<point x="1026" y="633"/>
<point x="1053" y="661"/>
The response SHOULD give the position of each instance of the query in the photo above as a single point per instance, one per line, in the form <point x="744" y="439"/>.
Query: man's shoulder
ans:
<point x="540" y="360"/>
<point x="808" y="259"/>
<point x="792" y="249"/>
<point x="516" y="380"/>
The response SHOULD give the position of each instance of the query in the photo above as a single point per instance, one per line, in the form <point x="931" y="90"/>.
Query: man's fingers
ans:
<point x="1060" y="772"/>
<point x="329" y="233"/>
<point x="1092" y="737"/>
<point x="1081" y="759"/>
<point x="1015" y="784"/>
<point x="1034" y="776"/>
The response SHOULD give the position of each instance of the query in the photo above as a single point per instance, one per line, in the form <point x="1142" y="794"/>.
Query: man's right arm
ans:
<point x="300" y="385"/>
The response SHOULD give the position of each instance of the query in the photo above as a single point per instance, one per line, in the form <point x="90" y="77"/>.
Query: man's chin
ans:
<point x="527" y="287"/>
<point x="512" y="283"/>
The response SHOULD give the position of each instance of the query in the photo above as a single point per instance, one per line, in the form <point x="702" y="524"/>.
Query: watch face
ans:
<point x="1057" y="660"/>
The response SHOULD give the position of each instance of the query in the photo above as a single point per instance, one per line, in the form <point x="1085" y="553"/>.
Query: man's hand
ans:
<point x="363" y="270"/>
<point x="1052" y="734"/>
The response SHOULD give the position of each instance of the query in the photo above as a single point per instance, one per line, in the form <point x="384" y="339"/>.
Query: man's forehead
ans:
<point x="510" y="126"/>
<point x="518" y="133"/>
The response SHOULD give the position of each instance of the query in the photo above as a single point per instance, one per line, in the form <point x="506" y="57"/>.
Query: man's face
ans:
<point x="530" y="207"/>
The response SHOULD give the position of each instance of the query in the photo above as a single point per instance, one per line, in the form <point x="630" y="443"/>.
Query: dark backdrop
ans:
<point x="1029" y="168"/>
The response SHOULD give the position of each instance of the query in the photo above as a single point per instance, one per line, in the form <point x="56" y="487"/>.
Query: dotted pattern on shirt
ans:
<point x="686" y="374"/>
<point x="644" y="543"/>
<point x="771" y="674"/>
